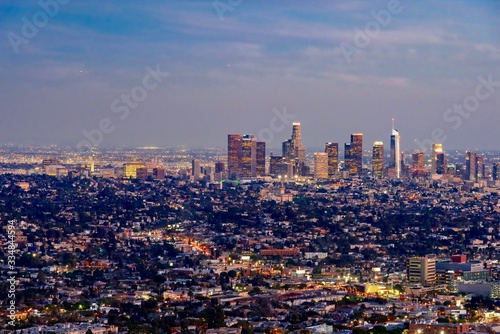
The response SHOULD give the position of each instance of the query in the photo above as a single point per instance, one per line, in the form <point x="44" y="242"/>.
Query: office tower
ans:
<point x="378" y="160"/>
<point x="274" y="160"/>
<point x="395" y="152"/>
<point x="195" y="168"/>
<point x="441" y="163"/>
<point x="436" y="148"/>
<point x="234" y="151"/>
<point x="496" y="172"/>
<point x="220" y="167"/>
<point x="248" y="167"/>
<point x="418" y="164"/>
<point x="480" y="168"/>
<point x="356" y="154"/>
<point x="261" y="158"/>
<point x="320" y="165"/>
<point x="332" y="150"/>
<point x="470" y="166"/>
<point x="347" y="157"/>
<point x="421" y="270"/>
<point x="293" y="150"/>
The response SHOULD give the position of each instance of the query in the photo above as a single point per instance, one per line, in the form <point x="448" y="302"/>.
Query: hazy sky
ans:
<point x="232" y="62"/>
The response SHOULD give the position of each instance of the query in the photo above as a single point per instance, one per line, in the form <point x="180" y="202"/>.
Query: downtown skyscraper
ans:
<point x="353" y="155"/>
<point x="395" y="161"/>
<point x="294" y="151"/>
<point x="245" y="156"/>
<point x="378" y="160"/>
<point x="332" y="151"/>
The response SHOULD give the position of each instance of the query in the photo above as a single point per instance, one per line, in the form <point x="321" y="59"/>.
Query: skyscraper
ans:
<point x="496" y="172"/>
<point x="261" y="158"/>
<point x="436" y="148"/>
<point x="470" y="165"/>
<point x="378" y="160"/>
<point x="320" y="165"/>
<point x="248" y="167"/>
<point x="332" y="150"/>
<point x="480" y="168"/>
<point x="234" y="151"/>
<point x="418" y="164"/>
<point x="293" y="151"/>
<point x="195" y="168"/>
<point x="441" y="163"/>
<point x="245" y="156"/>
<point x="356" y="154"/>
<point x="347" y="157"/>
<point x="395" y="151"/>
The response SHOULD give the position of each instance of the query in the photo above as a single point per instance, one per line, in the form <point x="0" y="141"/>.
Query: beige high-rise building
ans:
<point x="421" y="270"/>
<point x="378" y="160"/>
<point x="320" y="165"/>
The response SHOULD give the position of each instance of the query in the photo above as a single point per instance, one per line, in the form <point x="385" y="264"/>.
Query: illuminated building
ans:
<point x="245" y="156"/>
<point x="378" y="160"/>
<point x="441" y="163"/>
<point x="421" y="270"/>
<point x="293" y="151"/>
<point x="320" y="165"/>
<point x="496" y="172"/>
<point x="395" y="151"/>
<point x="353" y="155"/>
<point x="332" y="150"/>
<point x="248" y="167"/>
<point x="261" y="158"/>
<point x="436" y="149"/>
<point x="418" y="164"/>
<point x="274" y="160"/>
<point x="130" y="169"/>
<point x="234" y="151"/>
<point x="470" y="166"/>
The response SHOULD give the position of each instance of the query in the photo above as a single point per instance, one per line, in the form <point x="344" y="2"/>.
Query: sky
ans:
<point x="189" y="72"/>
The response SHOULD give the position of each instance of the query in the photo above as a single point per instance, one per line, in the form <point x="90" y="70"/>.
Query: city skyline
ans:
<point x="432" y="66"/>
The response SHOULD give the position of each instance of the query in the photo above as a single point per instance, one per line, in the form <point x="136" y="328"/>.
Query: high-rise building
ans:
<point x="436" y="148"/>
<point x="293" y="151"/>
<point x="245" y="156"/>
<point x="421" y="270"/>
<point x="220" y="167"/>
<point x="261" y="158"/>
<point x="234" y="151"/>
<point x="470" y="166"/>
<point x="496" y="172"/>
<point x="273" y="161"/>
<point x="320" y="165"/>
<point x="378" y="160"/>
<point x="248" y="167"/>
<point x="332" y="150"/>
<point x="195" y="168"/>
<point x="356" y="154"/>
<point x="481" y="168"/>
<point x="347" y="157"/>
<point x="395" y="151"/>
<point x="418" y="164"/>
<point x="441" y="163"/>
